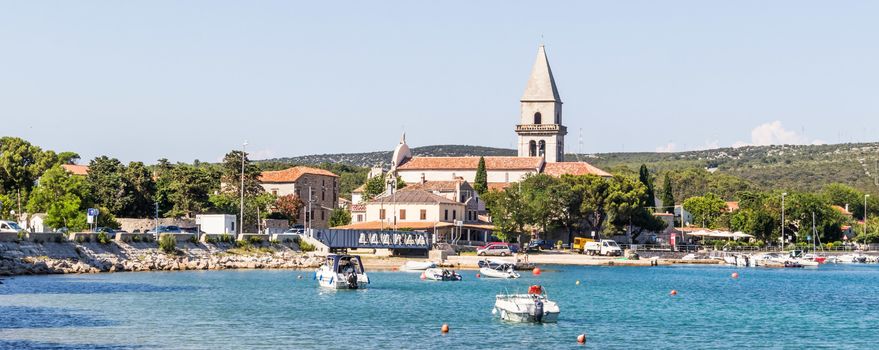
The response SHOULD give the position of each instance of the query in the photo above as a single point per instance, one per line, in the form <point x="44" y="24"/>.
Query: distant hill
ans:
<point x="795" y="167"/>
<point x="383" y="158"/>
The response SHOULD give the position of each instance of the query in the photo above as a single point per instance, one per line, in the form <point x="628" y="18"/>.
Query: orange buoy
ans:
<point x="581" y="338"/>
<point x="445" y="328"/>
<point x="735" y="275"/>
<point x="478" y="275"/>
<point x="673" y="292"/>
<point x="536" y="271"/>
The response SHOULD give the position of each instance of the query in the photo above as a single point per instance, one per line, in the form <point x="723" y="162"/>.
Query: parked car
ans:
<point x="109" y="231"/>
<point x="9" y="227"/>
<point x="166" y="229"/>
<point x="502" y="249"/>
<point x="540" y="244"/>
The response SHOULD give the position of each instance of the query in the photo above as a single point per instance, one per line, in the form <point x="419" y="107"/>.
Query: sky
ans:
<point x="186" y="80"/>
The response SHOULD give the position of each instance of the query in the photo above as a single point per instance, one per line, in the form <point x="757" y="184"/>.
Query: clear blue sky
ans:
<point x="185" y="80"/>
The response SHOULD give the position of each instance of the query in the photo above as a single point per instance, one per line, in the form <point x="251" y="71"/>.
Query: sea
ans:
<point x="831" y="307"/>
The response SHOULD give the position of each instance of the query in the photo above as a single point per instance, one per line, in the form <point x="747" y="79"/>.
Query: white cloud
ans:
<point x="774" y="133"/>
<point x="261" y="154"/>
<point x="667" y="148"/>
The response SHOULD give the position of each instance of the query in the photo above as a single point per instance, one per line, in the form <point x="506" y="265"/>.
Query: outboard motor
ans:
<point x="538" y="311"/>
<point x="351" y="279"/>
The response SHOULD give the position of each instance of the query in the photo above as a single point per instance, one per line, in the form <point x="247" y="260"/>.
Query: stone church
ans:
<point x="541" y="143"/>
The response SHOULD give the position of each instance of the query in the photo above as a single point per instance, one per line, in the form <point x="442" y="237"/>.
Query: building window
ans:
<point x="446" y="217"/>
<point x="381" y="214"/>
<point x="359" y="217"/>
<point x="323" y="214"/>
<point x="275" y="192"/>
<point x="402" y="214"/>
<point x="423" y="214"/>
<point x="532" y="148"/>
<point x="537" y="118"/>
<point x="323" y="194"/>
<point x="454" y="214"/>
<point x="541" y="148"/>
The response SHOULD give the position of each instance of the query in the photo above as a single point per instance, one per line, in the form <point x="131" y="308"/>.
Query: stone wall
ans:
<point x="143" y="225"/>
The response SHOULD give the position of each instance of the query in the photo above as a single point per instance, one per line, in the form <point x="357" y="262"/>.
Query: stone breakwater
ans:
<point x="27" y="258"/>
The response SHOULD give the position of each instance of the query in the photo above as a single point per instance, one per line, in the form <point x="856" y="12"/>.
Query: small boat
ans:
<point x="417" y="265"/>
<point x="501" y="271"/>
<point x="492" y="263"/>
<point x="531" y="307"/>
<point x="342" y="272"/>
<point x="436" y="274"/>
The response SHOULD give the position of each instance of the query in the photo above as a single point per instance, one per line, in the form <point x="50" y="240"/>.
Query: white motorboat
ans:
<point x="852" y="259"/>
<point x="501" y="271"/>
<point x="531" y="307"/>
<point x="342" y="272"/>
<point x="436" y="274"/>
<point x="417" y="265"/>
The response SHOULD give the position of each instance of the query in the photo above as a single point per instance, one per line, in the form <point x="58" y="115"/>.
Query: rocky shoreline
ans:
<point x="28" y="258"/>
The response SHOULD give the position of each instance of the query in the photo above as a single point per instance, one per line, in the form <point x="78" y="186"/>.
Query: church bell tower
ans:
<point x="540" y="129"/>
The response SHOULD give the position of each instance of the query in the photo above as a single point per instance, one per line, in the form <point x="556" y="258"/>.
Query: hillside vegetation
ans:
<point x="787" y="167"/>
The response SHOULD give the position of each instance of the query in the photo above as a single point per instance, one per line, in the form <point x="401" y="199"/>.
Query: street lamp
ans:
<point x="241" y="212"/>
<point x="865" y="217"/>
<point x="782" y="221"/>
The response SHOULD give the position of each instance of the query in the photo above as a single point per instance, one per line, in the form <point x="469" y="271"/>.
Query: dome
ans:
<point x="401" y="153"/>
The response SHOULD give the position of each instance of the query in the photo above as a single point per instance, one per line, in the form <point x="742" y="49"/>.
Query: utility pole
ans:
<point x="241" y="188"/>
<point x="782" y="222"/>
<point x="865" y="217"/>
<point x="310" y="214"/>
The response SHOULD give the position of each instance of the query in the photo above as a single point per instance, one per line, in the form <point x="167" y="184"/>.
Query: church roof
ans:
<point x="442" y="186"/>
<point x="470" y="163"/>
<point x="291" y="174"/>
<point x="541" y="84"/>
<point x="573" y="168"/>
<point x="413" y="197"/>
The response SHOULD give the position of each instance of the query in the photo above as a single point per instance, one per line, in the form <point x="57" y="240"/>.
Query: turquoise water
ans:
<point x="617" y="307"/>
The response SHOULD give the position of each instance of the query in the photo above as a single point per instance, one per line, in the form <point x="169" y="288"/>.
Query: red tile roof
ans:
<point x="732" y="206"/>
<point x="842" y="210"/>
<point x="573" y="168"/>
<point x="76" y="169"/>
<point x="413" y="196"/>
<point x="498" y="185"/>
<point x="471" y="163"/>
<point x="442" y="186"/>
<point x="291" y="174"/>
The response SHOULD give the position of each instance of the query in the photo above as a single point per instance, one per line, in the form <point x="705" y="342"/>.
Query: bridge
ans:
<point x="336" y="239"/>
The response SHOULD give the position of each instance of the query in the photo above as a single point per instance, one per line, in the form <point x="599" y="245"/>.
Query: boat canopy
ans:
<point x="342" y="262"/>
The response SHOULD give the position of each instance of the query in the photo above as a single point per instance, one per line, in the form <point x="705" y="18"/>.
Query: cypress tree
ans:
<point x="481" y="182"/>
<point x="644" y="176"/>
<point x="668" y="199"/>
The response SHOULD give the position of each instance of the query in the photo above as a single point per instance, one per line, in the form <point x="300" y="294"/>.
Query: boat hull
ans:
<point x="524" y="308"/>
<point x="337" y="281"/>
<point x="492" y="273"/>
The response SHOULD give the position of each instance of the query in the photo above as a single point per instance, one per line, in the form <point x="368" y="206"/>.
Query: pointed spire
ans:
<point x="541" y="84"/>
<point x="403" y="138"/>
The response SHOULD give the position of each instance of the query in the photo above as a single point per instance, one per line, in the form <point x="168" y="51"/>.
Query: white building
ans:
<point x="216" y="223"/>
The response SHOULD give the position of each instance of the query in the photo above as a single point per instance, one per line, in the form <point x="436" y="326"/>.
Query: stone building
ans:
<point x="317" y="188"/>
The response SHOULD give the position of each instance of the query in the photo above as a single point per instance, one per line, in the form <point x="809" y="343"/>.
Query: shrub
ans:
<point x="80" y="239"/>
<point x="103" y="238"/>
<point x="168" y="244"/>
<point x="59" y="239"/>
<point x="305" y="246"/>
<point x="135" y="238"/>
<point x="274" y="242"/>
<point x="242" y="244"/>
<point x="256" y="240"/>
<point x="212" y="239"/>
<point x="226" y="238"/>
<point x="22" y="234"/>
<point x="193" y="239"/>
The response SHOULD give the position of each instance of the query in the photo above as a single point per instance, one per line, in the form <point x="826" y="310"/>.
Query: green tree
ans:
<point x="647" y="180"/>
<point x="62" y="197"/>
<point x="667" y="198"/>
<point x="187" y="190"/>
<point x="231" y="175"/>
<point x="705" y="209"/>
<point x="593" y="192"/>
<point x="481" y="181"/>
<point x="21" y="164"/>
<point x="374" y="187"/>
<point x="107" y="184"/>
<point x="139" y="180"/>
<point x="340" y="217"/>
<point x="625" y="206"/>
<point x="542" y="199"/>
<point x="508" y="213"/>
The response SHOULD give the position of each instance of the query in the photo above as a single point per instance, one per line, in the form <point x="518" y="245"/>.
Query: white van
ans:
<point x="603" y="247"/>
